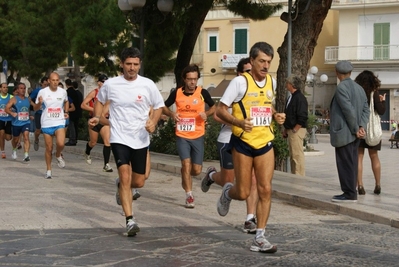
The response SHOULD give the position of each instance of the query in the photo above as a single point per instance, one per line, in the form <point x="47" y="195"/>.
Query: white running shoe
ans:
<point x="88" y="159"/>
<point x="60" y="162"/>
<point x="132" y="227"/>
<point x="14" y="154"/>
<point x="260" y="244"/>
<point x="107" y="168"/>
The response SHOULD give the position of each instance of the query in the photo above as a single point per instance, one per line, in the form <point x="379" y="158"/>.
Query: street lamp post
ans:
<point x="311" y="79"/>
<point x="136" y="12"/>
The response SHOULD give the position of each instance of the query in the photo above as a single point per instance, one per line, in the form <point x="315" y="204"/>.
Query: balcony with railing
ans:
<point x="363" y="3"/>
<point x="367" y="54"/>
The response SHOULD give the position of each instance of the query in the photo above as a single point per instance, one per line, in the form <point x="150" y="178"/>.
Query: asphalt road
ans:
<point x="73" y="220"/>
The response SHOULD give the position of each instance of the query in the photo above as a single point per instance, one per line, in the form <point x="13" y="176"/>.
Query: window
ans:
<point x="240" y="41"/>
<point x="381" y="41"/>
<point x="213" y="41"/>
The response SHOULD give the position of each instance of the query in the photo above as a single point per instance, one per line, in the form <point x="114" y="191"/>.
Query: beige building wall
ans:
<point x="222" y="23"/>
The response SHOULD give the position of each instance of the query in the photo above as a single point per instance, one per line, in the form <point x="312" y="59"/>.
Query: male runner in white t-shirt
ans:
<point x="131" y="97"/>
<point x="55" y="111"/>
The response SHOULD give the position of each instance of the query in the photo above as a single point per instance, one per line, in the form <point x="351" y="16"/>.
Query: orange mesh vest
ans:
<point x="191" y="125"/>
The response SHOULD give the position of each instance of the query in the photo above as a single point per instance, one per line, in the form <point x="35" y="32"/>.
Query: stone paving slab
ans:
<point x="73" y="220"/>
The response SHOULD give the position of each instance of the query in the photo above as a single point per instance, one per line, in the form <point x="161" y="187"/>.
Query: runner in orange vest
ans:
<point x="190" y="117"/>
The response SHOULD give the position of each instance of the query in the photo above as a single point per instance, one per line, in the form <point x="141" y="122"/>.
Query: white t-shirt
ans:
<point x="129" y="109"/>
<point x="237" y="87"/>
<point x="225" y="132"/>
<point x="53" y="106"/>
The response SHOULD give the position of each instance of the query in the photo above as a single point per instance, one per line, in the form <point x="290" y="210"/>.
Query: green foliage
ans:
<point x="280" y="147"/>
<point x="256" y="10"/>
<point x="164" y="140"/>
<point x="97" y="32"/>
<point x="211" y="135"/>
<point x="32" y="36"/>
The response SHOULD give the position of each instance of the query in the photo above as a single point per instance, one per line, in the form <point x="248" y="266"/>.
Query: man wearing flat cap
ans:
<point x="349" y="116"/>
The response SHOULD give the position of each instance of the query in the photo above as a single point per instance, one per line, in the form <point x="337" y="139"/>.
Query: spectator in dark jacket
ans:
<point x="74" y="116"/>
<point x="296" y="110"/>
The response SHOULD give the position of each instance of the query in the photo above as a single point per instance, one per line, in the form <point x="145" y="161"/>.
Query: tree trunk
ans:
<point x="199" y="9"/>
<point x="306" y="29"/>
<point x="305" y="32"/>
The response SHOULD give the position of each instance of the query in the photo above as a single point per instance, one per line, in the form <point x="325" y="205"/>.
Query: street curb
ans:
<point x="297" y="200"/>
<point x="334" y="207"/>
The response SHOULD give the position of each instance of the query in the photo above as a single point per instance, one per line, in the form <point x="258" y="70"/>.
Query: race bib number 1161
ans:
<point x="261" y="116"/>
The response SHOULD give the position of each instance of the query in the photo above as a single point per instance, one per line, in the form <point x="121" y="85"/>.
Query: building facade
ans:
<point x="369" y="38"/>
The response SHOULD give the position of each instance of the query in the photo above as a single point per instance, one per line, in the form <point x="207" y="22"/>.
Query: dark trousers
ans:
<point x="73" y="131"/>
<point x="346" y="158"/>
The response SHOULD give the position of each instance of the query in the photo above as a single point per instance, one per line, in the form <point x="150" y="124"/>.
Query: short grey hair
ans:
<point x="295" y="81"/>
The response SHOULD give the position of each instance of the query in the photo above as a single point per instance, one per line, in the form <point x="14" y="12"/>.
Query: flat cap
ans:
<point x="344" y="67"/>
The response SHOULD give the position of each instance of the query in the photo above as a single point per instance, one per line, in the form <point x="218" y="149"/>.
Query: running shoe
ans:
<point x="36" y="145"/>
<point x="14" y="154"/>
<point x="60" y="162"/>
<point x="132" y="227"/>
<point x="107" y="168"/>
<point x="117" y="196"/>
<point x="250" y="226"/>
<point x="136" y="194"/>
<point x="3" y="155"/>
<point x="47" y="176"/>
<point x="206" y="181"/>
<point x="190" y="202"/>
<point x="26" y="159"/>
<point x="88" y="159"/>
<point x="223" y="204"/>
<point x="260" y="244"/>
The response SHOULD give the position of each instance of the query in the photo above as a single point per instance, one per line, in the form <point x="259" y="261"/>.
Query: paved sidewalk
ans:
<point x="321" y="183"/>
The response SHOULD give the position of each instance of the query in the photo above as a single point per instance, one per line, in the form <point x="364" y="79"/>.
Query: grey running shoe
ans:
<point x="223" y="204"/>
<point x="250" y="226"/>
<point x="60" y="162"/>
<point x="47" y="176"/>
<point x="117" y="196"/>
<point x="206" y="181"/>
<point x="88" y="159"/>
<point x="107" y="168"/>
<point x="26" y="159"/>
<point x="132" y="228"/>
<point x="36" y="145"/>
<point x="136" y="194"/>
<point x="14" y="154"/>
<point x="190" y="202"/>
<point x="260" y="244"/>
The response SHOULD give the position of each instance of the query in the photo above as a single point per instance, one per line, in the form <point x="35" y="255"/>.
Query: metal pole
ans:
<point x="289" y="67"/>
<point x="314" y="104"/>
<point x="313" y="139"/>
<point x="289" y="46"/>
